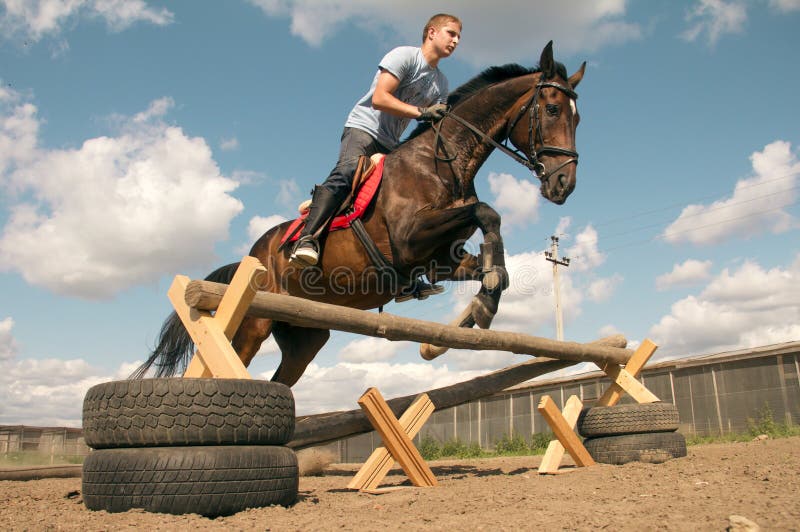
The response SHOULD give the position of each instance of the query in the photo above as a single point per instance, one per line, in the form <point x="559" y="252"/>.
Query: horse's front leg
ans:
<point x="492" y="267"/>
<point x="488" y="268"/>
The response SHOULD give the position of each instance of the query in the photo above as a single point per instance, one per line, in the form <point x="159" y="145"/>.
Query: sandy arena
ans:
<point x="758" y="480"/>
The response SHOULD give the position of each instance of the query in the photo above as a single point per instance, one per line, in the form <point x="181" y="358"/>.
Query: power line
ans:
<point x="704" y="212"/>
<point x="691" y="201"/>
<point x="663" y="237"/>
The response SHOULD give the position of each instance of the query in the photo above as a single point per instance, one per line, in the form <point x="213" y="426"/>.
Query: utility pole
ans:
<point x="552" y="256"/>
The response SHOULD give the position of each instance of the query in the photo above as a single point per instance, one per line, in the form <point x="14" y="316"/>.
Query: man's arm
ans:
<point x="384" y="100"/>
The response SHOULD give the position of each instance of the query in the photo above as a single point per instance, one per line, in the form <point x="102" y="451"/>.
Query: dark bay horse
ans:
<point x="425" y="210"/>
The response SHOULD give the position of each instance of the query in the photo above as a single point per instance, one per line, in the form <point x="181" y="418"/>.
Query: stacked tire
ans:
<point x="632" y="433"/>
<point x="206" y="446"/>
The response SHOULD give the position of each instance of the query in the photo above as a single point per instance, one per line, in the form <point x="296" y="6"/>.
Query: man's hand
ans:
<point x="432" y="113"/>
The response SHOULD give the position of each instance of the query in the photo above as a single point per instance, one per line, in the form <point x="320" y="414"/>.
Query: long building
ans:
<point x="715" y="394"/>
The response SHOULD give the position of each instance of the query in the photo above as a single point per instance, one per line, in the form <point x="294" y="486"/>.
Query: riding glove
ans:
<point x="432" y="113"/>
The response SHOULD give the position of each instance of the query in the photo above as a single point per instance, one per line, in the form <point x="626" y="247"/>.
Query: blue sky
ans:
<point x="143" y="139"/>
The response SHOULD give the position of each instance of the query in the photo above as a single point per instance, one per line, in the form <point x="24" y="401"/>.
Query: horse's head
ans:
<point x="543" y="128"/>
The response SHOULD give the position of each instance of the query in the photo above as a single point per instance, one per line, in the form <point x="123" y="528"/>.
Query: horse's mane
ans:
<point x="490" y="76"/>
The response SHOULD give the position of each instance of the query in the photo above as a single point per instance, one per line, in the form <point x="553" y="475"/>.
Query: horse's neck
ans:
<point x="473" y="151"/>
<point x="488" y="112"/>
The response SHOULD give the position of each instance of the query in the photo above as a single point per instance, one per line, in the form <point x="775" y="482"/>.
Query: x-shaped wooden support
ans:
<point x="215" y="356"/>
<point x="396" y="435"/>
<point x="563" y="423"/>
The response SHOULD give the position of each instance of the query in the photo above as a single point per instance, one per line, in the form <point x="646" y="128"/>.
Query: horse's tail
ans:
<point x="175" y="347"/>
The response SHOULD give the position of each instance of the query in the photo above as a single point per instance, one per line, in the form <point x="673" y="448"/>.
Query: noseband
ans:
<point x="531" y="162"/>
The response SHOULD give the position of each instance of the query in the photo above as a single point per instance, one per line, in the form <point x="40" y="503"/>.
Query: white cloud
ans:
<point x="517" y="201"/>
<point x="19" y="131"/>
<point x="785" y="6"/>
<point x="326" y="389"/>
<point x="256" y="227"/>
<point x="288" y="190"/>
<point x="229" y="144"/>
<point x="369" y="349"/>
<point x="259" y="225"/>
<point x="8" y="345"/>
<point x="269" y="347"/>
<point x="121" y="14"/>
<point x="563" y="225"/>
<point x="687" y="273"/>
<point x="757" y="204"/>
<point x="49" y="392"/>
<point x="156" y="109"/>
<point x="602" y="289"/>
<point x="747" y="307"/>
<point x="35" y="19"/>
<point x="715" y="18"/>
<point x="482" y="361"/>
<point x="514" y="30"/>
<point x="116" y="211"/>
<point x="584" y="252"/>
<point x="607" y="330"/>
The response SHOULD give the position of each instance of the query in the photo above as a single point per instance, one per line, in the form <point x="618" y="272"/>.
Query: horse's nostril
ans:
<point x="562" y="180"/>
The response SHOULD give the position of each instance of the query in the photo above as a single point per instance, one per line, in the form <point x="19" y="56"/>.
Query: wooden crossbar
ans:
<point x="563" y="424"/>
<point x="397" y="441"/>
<point x="206" y="295"/>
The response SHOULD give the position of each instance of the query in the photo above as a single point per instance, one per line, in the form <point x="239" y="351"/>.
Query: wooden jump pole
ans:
<point x="206" y="295"/>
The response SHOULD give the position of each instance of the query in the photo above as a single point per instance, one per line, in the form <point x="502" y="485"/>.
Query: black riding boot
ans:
<point x="323" y="206"/>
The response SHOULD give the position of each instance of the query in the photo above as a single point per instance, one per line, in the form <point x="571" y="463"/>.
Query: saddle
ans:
<point x="366" y="180"/>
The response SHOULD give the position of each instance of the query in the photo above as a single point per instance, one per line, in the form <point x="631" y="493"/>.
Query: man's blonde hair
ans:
<point x="437" y="21"/>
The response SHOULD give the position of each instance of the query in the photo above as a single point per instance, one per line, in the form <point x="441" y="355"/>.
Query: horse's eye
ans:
<point x="552" y="109"/>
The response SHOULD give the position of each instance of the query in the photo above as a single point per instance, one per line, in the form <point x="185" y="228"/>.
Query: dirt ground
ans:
<point x="758" y="480"/>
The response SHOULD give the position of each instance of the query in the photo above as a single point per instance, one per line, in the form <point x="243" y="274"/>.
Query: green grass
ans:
<point x="516" y="445"/>
<point x="30" y="458"/>
<point x="763" y="424"/>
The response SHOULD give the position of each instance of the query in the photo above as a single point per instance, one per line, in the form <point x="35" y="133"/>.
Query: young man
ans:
<point x="407" y="85"/>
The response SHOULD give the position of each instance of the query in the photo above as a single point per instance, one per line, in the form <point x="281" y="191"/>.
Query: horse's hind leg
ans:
<point x="299" y="346"/>
<point x="249" y="337"/>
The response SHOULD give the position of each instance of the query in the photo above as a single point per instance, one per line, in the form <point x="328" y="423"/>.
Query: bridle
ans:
<point x="533" y="163"/>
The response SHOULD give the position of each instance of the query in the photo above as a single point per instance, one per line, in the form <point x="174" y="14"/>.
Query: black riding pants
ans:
<point x="355" y="143"/>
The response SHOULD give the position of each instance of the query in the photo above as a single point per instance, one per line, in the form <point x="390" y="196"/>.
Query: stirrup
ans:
<point x="305" y="252"/>
<point x="418" y="290"/>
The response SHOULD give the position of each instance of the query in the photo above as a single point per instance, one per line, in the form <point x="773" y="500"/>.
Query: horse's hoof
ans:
<point x="429" y="351"/>
<point x="482" y="314"/>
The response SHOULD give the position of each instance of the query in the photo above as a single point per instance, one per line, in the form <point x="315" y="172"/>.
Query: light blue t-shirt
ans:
<point x="420" y="85"/>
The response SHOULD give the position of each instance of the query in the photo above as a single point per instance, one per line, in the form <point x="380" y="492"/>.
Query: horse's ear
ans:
<point x="577" y="76"/>
<point x="546" y="63"/>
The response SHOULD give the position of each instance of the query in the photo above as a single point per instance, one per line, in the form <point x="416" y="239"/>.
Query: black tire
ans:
<point x="627" y="419"/>
<point x="209" y="481"/>
<point x="652" y="448"/>
<point x="178" y="412"/>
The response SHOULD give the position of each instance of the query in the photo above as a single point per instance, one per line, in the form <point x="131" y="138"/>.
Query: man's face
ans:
<point x="445" y="38"/>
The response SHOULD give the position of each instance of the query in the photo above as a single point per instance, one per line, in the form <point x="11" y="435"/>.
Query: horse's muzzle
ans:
<point x="558" y="186"/>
